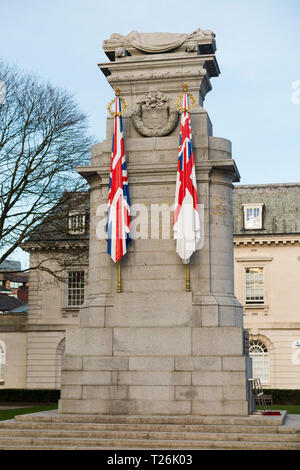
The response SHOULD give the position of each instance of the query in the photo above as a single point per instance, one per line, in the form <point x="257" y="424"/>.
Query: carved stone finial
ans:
<point x="191" y="47"/>
<point x="120" y="52"/>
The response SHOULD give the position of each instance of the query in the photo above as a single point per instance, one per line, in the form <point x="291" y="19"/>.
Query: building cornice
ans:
<point x="256" y="328"/>
<point x="54" y="245"/>
<point x="49" y="327"/>
<point x="253" y="258"/>
<point x="267" y="240"/>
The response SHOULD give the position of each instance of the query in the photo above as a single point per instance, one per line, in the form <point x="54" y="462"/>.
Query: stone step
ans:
<point x="55" y="416"/>
<point x="147" y="427"/>
<point x="120" y="444"/>
<point x="51" y="430"/>
<point x="52" y="447"/>
<point x="145" y="435"/>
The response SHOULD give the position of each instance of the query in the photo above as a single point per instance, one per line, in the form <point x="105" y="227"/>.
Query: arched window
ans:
<point x="259" y="353"/>
<point x="2" y="359"/>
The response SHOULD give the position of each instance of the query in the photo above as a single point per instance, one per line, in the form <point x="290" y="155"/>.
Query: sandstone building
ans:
<point x="267" y="269"/>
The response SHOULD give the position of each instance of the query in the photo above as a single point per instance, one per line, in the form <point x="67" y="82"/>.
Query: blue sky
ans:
<point x="257" y="51"/>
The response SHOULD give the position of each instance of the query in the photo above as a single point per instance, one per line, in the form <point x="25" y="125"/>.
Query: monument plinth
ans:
<point x="155" y="348"/>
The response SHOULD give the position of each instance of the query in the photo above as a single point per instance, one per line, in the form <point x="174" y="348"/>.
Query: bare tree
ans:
<point x="43" y="137"/>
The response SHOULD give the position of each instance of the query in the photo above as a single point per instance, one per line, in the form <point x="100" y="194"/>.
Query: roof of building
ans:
<point x="14" y="277"/>
<point x="281" y="213"/>
<point x="10" y="265"/>
<point x="9" y="303"/>
<point x="55" y="226"/>
<point x="281" y="210"/>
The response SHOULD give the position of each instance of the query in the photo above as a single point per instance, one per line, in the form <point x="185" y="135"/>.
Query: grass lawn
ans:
<point x="10" y="414"/>
<point x="291" y="409"/>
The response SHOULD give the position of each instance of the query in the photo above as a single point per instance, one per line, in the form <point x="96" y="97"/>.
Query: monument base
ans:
<point x="141" y="354"/>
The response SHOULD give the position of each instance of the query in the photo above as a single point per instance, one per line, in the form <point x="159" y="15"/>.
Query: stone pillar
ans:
<point x="155" y="348"/>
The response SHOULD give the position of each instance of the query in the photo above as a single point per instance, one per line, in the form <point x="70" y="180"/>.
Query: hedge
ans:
<point x="19" y="395"/>
<point x="284" y="397"/>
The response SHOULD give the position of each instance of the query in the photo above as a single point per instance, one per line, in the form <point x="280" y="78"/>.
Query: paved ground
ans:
<point x="292" y="421"/>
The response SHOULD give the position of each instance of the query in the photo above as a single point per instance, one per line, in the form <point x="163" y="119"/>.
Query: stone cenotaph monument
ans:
<point x="155" y="348"/>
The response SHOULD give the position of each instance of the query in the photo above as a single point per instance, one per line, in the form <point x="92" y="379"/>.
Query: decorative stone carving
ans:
<point x="119" y="77"/>
<point x="163" y="42"/>
<point x="191" y="47"/>
<point x="120" y="52"/>
<point x="154" y="43"/>
<point x="153" y="116"/>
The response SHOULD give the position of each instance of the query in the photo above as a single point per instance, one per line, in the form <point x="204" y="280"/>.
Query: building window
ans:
<point x="253" y="216"/>
<point x="2" y="360"/>
<point x="15" y="285"/>
<point x="260" y="361"/>
<point x="76" y="222"/>
<point x="254" y="286"/>
<point x="75" y="288"/>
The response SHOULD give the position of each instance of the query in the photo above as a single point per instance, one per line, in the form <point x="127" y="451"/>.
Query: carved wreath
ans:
<point x="153" y="115"/>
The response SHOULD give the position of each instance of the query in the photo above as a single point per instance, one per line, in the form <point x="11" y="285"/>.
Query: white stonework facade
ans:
<point x="274" y="320"/>
<point x="34" y="342"/>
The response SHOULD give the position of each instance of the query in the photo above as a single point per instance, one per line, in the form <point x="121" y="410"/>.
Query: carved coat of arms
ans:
<point x="153" y="115"/>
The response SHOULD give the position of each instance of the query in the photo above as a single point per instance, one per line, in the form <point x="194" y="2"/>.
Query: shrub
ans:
<point x="284" y="396"/>
<point x="29" y="396"/>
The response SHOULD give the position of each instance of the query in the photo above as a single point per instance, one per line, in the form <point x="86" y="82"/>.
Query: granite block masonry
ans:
<point x="155" y="348"/>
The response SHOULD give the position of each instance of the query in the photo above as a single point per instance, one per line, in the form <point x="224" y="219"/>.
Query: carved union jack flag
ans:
<point x="118" y="211"/>
<point x="186" y="215"/>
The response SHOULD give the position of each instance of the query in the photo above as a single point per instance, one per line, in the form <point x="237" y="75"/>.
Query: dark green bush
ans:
<point x="18" y="395"/>
<point x="279" y="396"/>
<point x="284" y="397"/>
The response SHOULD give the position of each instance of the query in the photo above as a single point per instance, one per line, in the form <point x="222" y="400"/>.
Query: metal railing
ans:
<point x="258" y="395"/>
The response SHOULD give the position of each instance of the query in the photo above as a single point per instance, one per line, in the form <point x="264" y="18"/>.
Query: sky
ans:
<point x="255" y="102"/>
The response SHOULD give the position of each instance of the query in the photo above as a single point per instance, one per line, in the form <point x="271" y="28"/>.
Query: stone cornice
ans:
<point x="270" y="325"/>
<point x="12" y="328"/>
<point x="54" y="245"/>
<point x="167" y="70"/>
<point x="48" y="327"/>
<point x="152" y="170"/>
<point x="253" y="258"/>
<point x="130" y="69"/>
<point x="267" y="240"/>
